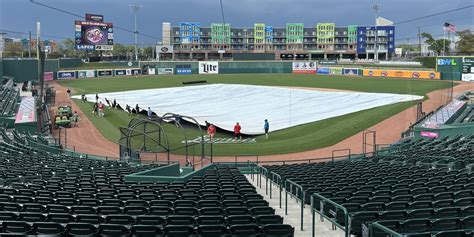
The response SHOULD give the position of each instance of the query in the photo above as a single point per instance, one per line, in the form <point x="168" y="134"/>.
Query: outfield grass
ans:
<point x="363" y="84"/>
<point x="300" y="138"/>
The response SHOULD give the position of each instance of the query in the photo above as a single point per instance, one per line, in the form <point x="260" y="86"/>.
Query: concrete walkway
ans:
<point x="322" y="229"/>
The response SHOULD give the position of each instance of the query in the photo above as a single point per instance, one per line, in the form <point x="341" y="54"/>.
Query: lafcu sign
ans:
<point x="208" y="67"/>
<point x="446" y="62"/>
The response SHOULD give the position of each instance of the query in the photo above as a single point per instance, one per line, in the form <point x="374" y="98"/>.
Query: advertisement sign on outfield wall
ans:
<point x="429" y="134"/>
<point x="136" y="71"/>
<point x="66" y="74"/>
<point x="323" y="70"/>
<point x="165" y="71"/>
<point x="304" y="67"/>
<point x="85" y="74"/>
<point x="401" y="74"/>
<point x="351" y="71"/>
<point x="151" y="71"/>
<point x="468" y="77"/>
<point x="335" y="71"/>
<point x="128" y="72"/>
<point x="183" y="69"/>
<point x="105" y="73"/>
<point x="208" y="67"/>
<point x="120" y="72"/>
<point x="48" y="76"/>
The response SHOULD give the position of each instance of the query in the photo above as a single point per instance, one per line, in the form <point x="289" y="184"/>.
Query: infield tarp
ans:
<point x="226" y="104"/>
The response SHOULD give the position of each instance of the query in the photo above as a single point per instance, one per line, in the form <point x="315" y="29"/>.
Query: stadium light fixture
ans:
<point x="134" y="8"/>
<point x="376" y="8"/>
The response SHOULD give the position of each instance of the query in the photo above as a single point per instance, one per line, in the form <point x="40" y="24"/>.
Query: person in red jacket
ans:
<point x="237" y="129"/>
<point x="211" y="131"/>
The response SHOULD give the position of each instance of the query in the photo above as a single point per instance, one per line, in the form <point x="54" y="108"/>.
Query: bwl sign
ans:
<point x="208" y="67"/>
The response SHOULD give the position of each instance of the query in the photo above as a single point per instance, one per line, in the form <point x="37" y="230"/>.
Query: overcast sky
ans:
<point x="21" y="15"/>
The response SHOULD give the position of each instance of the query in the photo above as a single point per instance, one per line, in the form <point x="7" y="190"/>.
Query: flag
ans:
<point x="449" y="27"/>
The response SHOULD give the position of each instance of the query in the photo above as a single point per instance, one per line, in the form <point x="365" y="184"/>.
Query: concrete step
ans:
<point x="293" y="217"/>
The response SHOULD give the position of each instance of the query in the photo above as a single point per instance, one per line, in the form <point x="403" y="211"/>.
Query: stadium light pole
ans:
<point x="134" y="8"/>
<point x="376" y="9"/>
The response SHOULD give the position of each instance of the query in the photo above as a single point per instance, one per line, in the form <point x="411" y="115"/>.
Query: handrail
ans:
<point x="377" y="225"/>
<point x="322" y="201"/>
<point x="264" y="171"/>
<point x="274" y="175"/>
<point x="290" y="187"/>
<point x="245" y="155"/>
<point x="307" y="160"/>
<point x="338" y="150"/>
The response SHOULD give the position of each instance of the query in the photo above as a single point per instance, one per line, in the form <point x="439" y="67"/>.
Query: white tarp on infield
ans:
<point x="226" y="104"/>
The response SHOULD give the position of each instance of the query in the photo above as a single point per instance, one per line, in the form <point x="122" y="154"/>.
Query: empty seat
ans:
<point x="60" y="218"/>
<point x="393" y="215"/>
<point x="396" y="206"/>
<point x="9" y="206"/>
<point x="278" y="230"/>
<point x="210" y="220"/>
<point x="236" y="211"/>
<point x="448" y="212"/>
<point x="82" y="210"/>
<point x="8" y="216"/>
<point x="256" y="203"/>
<point x="261" y="211"/>
<point x="415" y="226"/>
<point x="52" y="208"/>
<point x="112" y="202"/>
<point x="373" y="206"/>
<point x="151" y="220"/>
<point x="240" y="219"/>
<point x="50" y="229"/>
<point x="360" y="218"/>
<point x="453" y="233"/>
<point x="33" y="207"/>
<point x="135" y="210"/>
<point x="108" y="210"/>
<point x="186" y="211"/>
<point x="31" y="217"/>
<point x="161" y="211"/>
<point x="119" y="219"/>
<point x="262" y="220"/>
<point x="248" y="230"/>
<point x="146" y="230"/>
<point x="161" y="203"/>
<point x="19" y="227"/>
<point x="445" y="224"/>
<point x="208" y="203"/>
<point x="211" y="211"/>
<point x="91" y="219"/>
<point x="113" y="230"/>
<point x="211" y="231"/>
<point x="180" y="220"/>
<point x="140" y="203"/>
<point x="178" y="231"/>
<point x="185" y="203"/>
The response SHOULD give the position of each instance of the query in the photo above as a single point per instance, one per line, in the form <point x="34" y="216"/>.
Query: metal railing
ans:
<point x="279" y="181"/>
<point x="289" y="185"/>
<point x="322" y="202"/>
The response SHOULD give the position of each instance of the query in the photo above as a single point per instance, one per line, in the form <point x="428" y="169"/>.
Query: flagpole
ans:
<point x="449" y="38"/>
<point x="444" y="41"/>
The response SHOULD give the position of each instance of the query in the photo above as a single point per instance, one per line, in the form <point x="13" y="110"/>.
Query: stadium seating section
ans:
<point x="396" y="189"/>
<point x="9" y="98"/>
<point x="444" y="114"/>
<point x="46" y="193"/>
<point x="456" y="151"/>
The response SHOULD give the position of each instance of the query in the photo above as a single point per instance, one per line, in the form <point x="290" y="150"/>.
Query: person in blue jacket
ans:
<point x="266" y="127"/>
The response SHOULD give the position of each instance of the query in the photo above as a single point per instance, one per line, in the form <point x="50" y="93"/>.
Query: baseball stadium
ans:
<point x="222" y="131"/>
